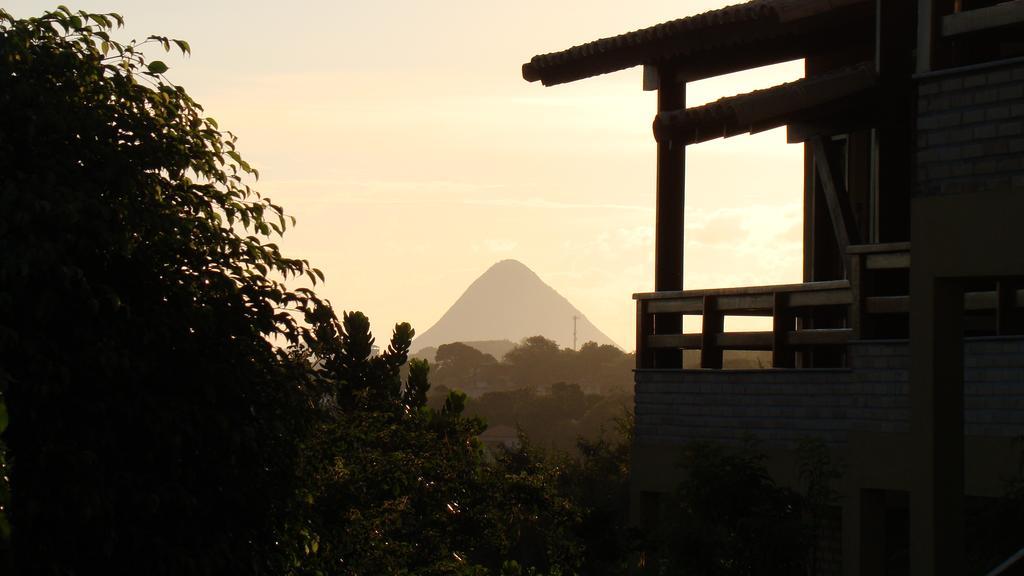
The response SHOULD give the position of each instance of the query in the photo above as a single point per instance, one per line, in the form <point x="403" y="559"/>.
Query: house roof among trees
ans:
<point x="765" y="30"/>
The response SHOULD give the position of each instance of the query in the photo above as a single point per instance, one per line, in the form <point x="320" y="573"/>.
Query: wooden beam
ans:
<point x="820" y="337"/>
<point x="674" y="341"/>
<point x="887" y="261"/>
<point x="843" y="116"/>
<point x="767" y="289"/>
<point x="752" y="340"/>
<point x="1003" y="14"/>
<point x="974" y="301"/>
<point x="746" y="304"/>
<point x="839" y="211"/>
<point x="744" y="341"/>
<point x="681" y="305"/>
<point x="839" y="297"/>
<point x="750" y="304"/>
<point x="651" y="79"/>
<point x="887" y="305"/>
<point x="877" y="248"/>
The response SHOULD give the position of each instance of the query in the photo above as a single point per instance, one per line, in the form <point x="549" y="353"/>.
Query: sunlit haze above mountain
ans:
<point x="403" y="138"/>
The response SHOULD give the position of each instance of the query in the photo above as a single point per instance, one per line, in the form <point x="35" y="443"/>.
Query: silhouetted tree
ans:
<point x="415" y="395"/>
<point x="535" y="362"/>
<point x="597" y="482"/>
<point x="554" y="416"/>
<point x="155" y="425"/>
<point x="729" y="518"/>
<point x="152" y="423"/>
<point x="458" y="365"/>
<point x="394" y="486"/>
<point x="604" y="368"/>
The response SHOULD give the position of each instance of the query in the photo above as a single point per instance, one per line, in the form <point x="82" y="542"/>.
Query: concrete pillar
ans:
<point x="863" y="532"/>
<point x="937" y="424"/>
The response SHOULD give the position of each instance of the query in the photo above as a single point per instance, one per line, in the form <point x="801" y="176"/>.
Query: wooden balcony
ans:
<point x="810" y="316"/>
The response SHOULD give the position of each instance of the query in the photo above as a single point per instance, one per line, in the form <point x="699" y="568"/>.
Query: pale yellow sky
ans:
<point x="404" y="139"/>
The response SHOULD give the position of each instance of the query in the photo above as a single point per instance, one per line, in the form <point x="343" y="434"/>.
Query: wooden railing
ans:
<point x="783" y="303"/>
<point x="807" y="316"/>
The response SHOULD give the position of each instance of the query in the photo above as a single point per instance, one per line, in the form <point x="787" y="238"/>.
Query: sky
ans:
<point x="403" y="138"/>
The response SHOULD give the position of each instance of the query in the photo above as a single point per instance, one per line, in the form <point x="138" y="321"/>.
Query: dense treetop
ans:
<point x="156" y="425"/>
<point x="139" y="288"/>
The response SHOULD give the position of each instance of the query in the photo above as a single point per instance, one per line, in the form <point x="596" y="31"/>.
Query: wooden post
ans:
<point x="857" y="288"/>
<point x="838" y="208"/>
<point x="925" y="35"/>
<point x="668" y="236"/>
<point x="1006" y="302"/>
<point x="931" y="52"/>
<point x="714" y="322"/>
<point x="782" y="323"/>
<point x="643" y="330"/>
<point x="893" y="137"/>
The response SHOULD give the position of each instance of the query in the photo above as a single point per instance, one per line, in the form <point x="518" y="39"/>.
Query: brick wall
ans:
<point x="994" y="387"/>
<point x="970" y="130"/>
<point x="782" y="406"/>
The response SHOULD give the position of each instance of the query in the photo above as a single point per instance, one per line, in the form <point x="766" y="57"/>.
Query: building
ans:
<point x="902" y="347"/>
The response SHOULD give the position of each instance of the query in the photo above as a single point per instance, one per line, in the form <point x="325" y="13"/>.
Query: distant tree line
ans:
<point x="533" y="364"/>
<point x="555" y="396"/>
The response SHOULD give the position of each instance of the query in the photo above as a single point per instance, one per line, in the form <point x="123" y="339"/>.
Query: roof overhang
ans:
<point x="834" y="102"/>
<point x="729" y="39"/>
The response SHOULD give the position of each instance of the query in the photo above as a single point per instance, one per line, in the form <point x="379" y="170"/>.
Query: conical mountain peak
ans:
<point x="510" y="264"/>
<point x="510" y="302"/>
<point x="507" y="271"/>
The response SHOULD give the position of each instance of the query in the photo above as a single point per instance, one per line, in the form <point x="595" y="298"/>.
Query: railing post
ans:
<point x="857" y="292"/>
<point x="782" y="323"/>
<point x="713" y="324"/>
<point x="1006" y="302"/>
<point x="644" y="329"/>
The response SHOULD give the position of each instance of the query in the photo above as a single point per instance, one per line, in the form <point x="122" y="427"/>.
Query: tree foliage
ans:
<point x="150" y="416"/>
<point x="597" y="481"/>
<point x="396" y="487"/>
<point x="461" y="367"/>
<point x="155" y="426"/>
<point x="556" y="416"/>
<point x="728" y="517"/>
<point x="534" y="364"/>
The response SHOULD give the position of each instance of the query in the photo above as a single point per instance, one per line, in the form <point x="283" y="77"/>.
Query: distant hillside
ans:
<point x="510" y="302"/>
<point x="496" y="348"/>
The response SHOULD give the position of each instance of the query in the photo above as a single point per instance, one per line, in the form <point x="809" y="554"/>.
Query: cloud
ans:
<point x="753" y="227"/>
<point x="495" y="245"/>
<point x="422" y="192"/>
